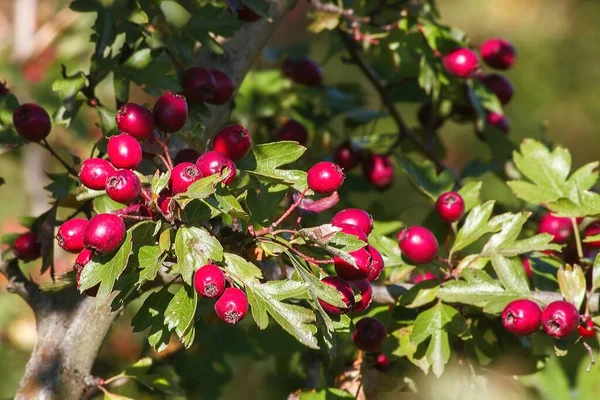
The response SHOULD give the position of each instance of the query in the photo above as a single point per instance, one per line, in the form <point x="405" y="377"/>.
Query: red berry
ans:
<point x="246" y="14"/>
<point x="182" y="176"/>
<point x="461" y="63"/>
<point x="498" y="53"/>
<point x="587" y="330"/>
<point x="424" y="115"/>
<point x="223" y="87"/>
<point x="522" y="317"/>
<point x="527" y="267"/>
<point x="70" y="235"/>
<point x="418" y="277"/>
<point x="592" y="230"/>
<point x="366" y="291"/>
<point x="293" y="131"/>
<point x="124" y="151"/>
<point x="353" y="231"/>
<point x="450" y="207"/>
<point x="346" y="291"/>
<point x="84" y="257"/>
<point x="234" y="141"/>
<point x="170" y="112"/>
<point x="369" y="334"/>
<point x="186" y="155"/>
<point x="325" y="177"/>
<point x="94" y="172"/>
<point x="349" y="272"/>
<point x="354" y="216"/>
<point x="209" y="281"/>
<point x="32" y="122"/>
<point x="303" y="71"/>
<point x="560" y="228"/>
<point x="27" y="248"/>
<point x="135" y="120"/>
<point x="213" y="162"/>
<point x="377" y="263"/>
<point x="232" y="306"/>
<point x="560" y="319"/>
<point x="198" y="84"/>
<point x="104" y="233"/>
<point x="418" y="244"/>
<point x="382" y="362"/>
<point x="345" y="157"/>
<point x="498" y="121"/>
<point x="500" y="86"/>
<point x="123" y="186"/>
<point x="165" y="202"/>
<point x="378" y="170"/>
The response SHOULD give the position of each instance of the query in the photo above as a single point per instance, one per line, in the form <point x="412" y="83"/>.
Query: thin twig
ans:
<point x="168" y="161"/>
<point x="286" y="214"/>
<point x="44" y="143"/>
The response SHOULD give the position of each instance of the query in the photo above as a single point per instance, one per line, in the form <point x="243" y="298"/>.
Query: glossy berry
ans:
<point x="377" y="264"/>
<point x="70" y="235"/>
<point x="369" y="334"/>
<point x="27" y="248"/>
<point x="461" y="63"/>
<point x="382" y="362"/>
<point x="303" y="71"/>
<point x="170" y="112"/>
<point x="209" y="281"/>
<point x="123" y="186"/>
<point x="353" y="231"/>
<point x="223" y="87"/>
<point x="135" y="120"/>
<point x="232" y="306"/>
<point x="186" y="155"/>
<point x="417" y="277"/>
<point x="560" y="228"/>
<point x="124" y="151"/>
<point x="345" y="157"/>
<point x="325" y="177"/>
<point x="498" y="53"/>
<point x="198" y="84"/>
<point x="587" y="330"/>
<point x="234" y="141"/>
<point x="84" y="257"/>
<point x="527" y="267"/>
<point x="93" y="173"/>
<point x="32" y="122"/>
<point x="246" y="14"/>
<point x="345" y="290"/>
<point x="213" y="162"/>
<point x="378" y="170"/>
<point x="104" y="233"/>
<point x="560" y="319"/>
<point x="182" y="176"/>
<point x="354" y="216"/>
<point x="349" y="272"/>
<point x="293" y="131"/>
<point x="418" y="244"/>
<point x="365" y="290"/>
<point x="592" y="230"/>
<point x="500" y="86"/>
<point x="424" y="115"/>
<point x="450" y="207"/>
<point x="522" y="317"/>
<point x="499" y="121"/>
<point x="165" y="202"/>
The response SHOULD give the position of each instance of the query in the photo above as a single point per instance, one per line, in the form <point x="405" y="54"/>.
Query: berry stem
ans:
<point x="173" y="58"/>
<point x="44" y="143"/>
<point x="167" y="161"/>
<point x="286" y="214"/>
<point x="577" y="238"/>
<point x="592" y="358"/>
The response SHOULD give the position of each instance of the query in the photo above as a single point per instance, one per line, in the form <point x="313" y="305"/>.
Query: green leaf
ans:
<point x="329" y="238"/>
<point x="104" y="204"/>
<point x="471" y="194"/>
<point x="179" y="314"/>
<point x="62" y="185"/>
<point x="571" y="281"/>
<point x="423" y="176"/>
<point x="406" y="348"/>
<point x="160" y="181"/>
<point x="194" y="248"/>
<point x="200" y="189"/>
<point x="325" y="394"/>
<point x="596" y="273"/>
<point x="68" y="87"/>
<point x="392" y="257"/>
<point x="211" y="19"/>
<point x="150" y="259"/>
<point x="152" y="315"/>
<point x="228" y="204"/>
<point x="511" y="273"/>
<point x="477" y="223"/>
<point x="588" y="204"/>
<point x="419" y="295"/>
<point x="242" y="270"/>
<point x="264" y="202"/>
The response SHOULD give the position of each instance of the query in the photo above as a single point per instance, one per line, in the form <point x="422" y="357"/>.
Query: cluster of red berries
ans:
<point x="377" y="169"/>
<point x="232" y="303"/>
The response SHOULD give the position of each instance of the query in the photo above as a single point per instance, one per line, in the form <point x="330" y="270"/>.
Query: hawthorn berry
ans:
<point x="522" y="317"/>
<point x="500" y="86"/>
<point x="182" y="176"/>
<point x="365" y="290"/>
<point x="124" y="151"/>
<point x="382" y="362"/>
<point x="559" y="227"/>
<point x="345" y="290"/>
<point x="234" y="141"/>
<point x="223" y="87"/>
<point x="369" y="334"/>
<point x="165" y="202"/>
<point x="353" y="231"/>
<point x="186" y="155"/>
<point x="345" y="157"/>
<point x="198" y="84"/>
<point x="83" y="258"/>
<point x="498" y="121"/>
<point x="418" y="244"/>
<point x="293" y="131"/>
<point x="123" y="186"/>
<point x="560" y="319"/>
<point x="587" y="329"/>
<point x="378" y="170"/>
<point x="325" y="177"/>
<point x="592" y="230"/>
<point x="417" y="277"/>
<point x="461" y="63"/>
<point x="170" y="112"/>
<point x="209" y="281"/>
<point x="94" y="172"/>
<point x="104" y="233"/>
<point x="354" y="216"/>
<point x="424" y="115"/>
<point x="135" y="120"/>
<point x="450" y="207"/>
<point x="377" y="263"/>
<point x="303" y="71"/>
<point x="232" y="306"/>
<point x="32" y="122"/>
<point x="349" y="272"/>
<point x="70" y="235"/>
<point x="213" y="162"/>
<point x="498" y="53"/>
<point x="27" y="247"/>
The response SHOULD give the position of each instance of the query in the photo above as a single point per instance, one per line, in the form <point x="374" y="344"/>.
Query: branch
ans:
<point x="19" y="284"/>
<point x="342" y="12"/>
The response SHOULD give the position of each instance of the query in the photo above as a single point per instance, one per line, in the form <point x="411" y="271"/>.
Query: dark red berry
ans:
<point x="70" y="235"/>
<point x="232" y="306"/>
<point x="234" y="141"/>
<point x="592" y="230"/>
<point x="349" y="272"/>
<point x="346" y="291"/>
<point x="587" y="330"/>
<point x="560" y="319"/>
<point x="4" y="90"/>
<point x="198" y="84"/>
<point x="124" y="151"/>
<point x="182" y="176"/>
<point x="213" y="162"/>
<point x="84" y="257"/>
<point x="450" y="207"/>
<point x="378" y="170"/>
<point x="559" y="227"/>
<point x="498" y="53"/>
<point x="418" y="277"/>
<point x="461" y="63"/>
<point x="246" y="14"/>
<point x="424" y="115"/>
<point x="365" y="289"/>
<point x="498" y="121"/>
<point x="94" y="172"/>
<point x="377" y="263"/>
<point x="369" y="334"/>
<point x="135" y="120"/>
<point x="32" y="122"/>
<point x="522" y="317"/>
<point x="382" y="362"/>
<point x="186" y="155"/>
<point x="345" y="157"/>
<point x="527" y="267"/>
<point x="209" y="281"/>
<point x="293" y="131"/>
<point x="170" y="112"/>
<point x="500" y="86"/>
<point x="303" y="71"/>
<point x="27" y="248"/>
<point x="104" y="233"/>
<point x="354" y="216"/>
<point x="123" y="186"/>
<point x="223" y="87"/>
<point x="165" y="202"/>
<point x="418" y="244"/>
<point x="325" y="177"/>
<point x="353" y="231"/>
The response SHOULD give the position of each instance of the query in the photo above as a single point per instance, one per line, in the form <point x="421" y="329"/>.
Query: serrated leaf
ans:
<point x="475" y="226"/>
<point x="424" y="177"/>
<point x="103" y="204"/>
<point x="571" y="281"/>
<point x="471" y="194"/>
<point x="419" y="295"/>
<point x="241" y="269"/>
<point x="228" y="204"/>
<point x="194" y="248"/>
<point x="150" y="259"/>
<point x="511" y="274"/>
<point x="406" y="348"/>
<point x="61" y="186"/>
<point x="179" y="314"/>
<point x="68" y="87"/>
<point x="588" y="204"/>
<point x="160" y="181"/>
<point x="389" y="250"/>
<point x="152" y="315"/>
